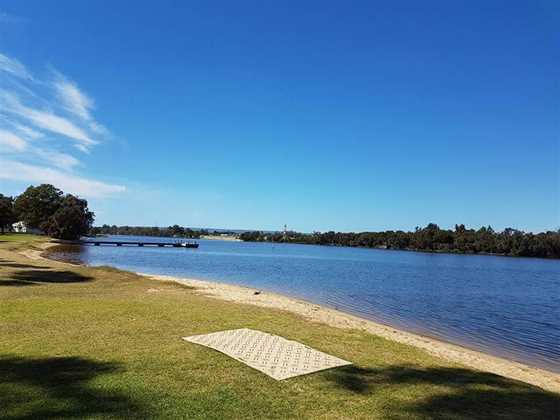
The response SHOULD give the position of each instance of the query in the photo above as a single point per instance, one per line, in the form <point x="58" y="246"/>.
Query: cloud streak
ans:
<point x="11" y="141"/>
<point x="59" y="159"/>
<point x="75" y="101"/>
<point x="39" y="121"/>
<point x="46" y="120"/>
<point x="28" y="132"/>
<point x="14" y="67"/>
<point x="17" y="171"/>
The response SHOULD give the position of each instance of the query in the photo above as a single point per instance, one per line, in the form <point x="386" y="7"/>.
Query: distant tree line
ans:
<point x="175" y="231"/>
<point x="431" y="238"/>
<point x="45" y="207"/>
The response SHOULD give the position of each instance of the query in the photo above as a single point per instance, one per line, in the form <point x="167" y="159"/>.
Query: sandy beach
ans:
<point x="544" y="379"/>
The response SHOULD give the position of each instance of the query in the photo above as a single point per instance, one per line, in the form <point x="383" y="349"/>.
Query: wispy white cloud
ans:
<point x="39" y="120"/>
<point x="11" y="142"/>
<point x="75" y="184"/>
<point x="59" y="159"/>
<point x="28" y="132"/>
<point x="12" y="66"/>
<point x="73" y="99"/>
<point x="77" y="102"/>
<point x="45" y="119"/>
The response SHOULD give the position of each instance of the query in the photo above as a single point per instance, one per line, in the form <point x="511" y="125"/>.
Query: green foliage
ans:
<point x="7" y="212"/>
<point x="71" y="220"/>
<point x="37" y="204"/>
<point x="252" y="236"/>
<point x="58" y="215"/>
<point x="431" y="238"/>
<point x="175" y="231"/>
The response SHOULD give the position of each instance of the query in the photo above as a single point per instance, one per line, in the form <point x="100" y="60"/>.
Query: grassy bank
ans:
<point x="98" y="342"/>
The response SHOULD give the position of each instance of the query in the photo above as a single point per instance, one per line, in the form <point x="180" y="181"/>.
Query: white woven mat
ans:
<point x="270" y="354"/>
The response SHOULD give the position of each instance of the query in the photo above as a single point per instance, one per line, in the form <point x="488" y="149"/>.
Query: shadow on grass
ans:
<point x="16" y="283"/>
<point x="34" y="277"/>
<point x="17" y="265"/>
<point x="12" y="264"/>
<point x="453" y="393"/>
<point x="59" y="388"/>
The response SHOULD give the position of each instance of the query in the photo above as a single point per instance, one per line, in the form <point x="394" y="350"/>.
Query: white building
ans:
<point x="21" y="227"/>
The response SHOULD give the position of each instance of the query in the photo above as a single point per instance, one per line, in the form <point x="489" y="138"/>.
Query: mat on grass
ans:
<point x="270" y="354"/>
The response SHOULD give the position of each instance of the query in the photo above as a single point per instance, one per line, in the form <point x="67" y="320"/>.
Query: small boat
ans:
<point x="185" y="244"/>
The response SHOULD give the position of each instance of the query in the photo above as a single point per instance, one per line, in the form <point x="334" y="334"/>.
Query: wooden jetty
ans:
<point x="96" y="242"/>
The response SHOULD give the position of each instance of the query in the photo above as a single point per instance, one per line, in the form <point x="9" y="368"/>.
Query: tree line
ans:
<point x="432" y="238"/>
<point x="174" y="231"/>
<point x="49" y="209"/>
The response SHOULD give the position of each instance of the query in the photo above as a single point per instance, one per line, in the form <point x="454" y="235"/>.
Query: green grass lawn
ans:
<point x="98" y="342"/>
<point x="21" y="237"/>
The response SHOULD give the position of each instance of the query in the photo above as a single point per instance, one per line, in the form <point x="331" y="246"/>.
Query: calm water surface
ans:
<point x="509" y="307"/>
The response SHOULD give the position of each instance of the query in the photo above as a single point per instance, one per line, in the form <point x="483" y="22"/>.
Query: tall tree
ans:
<point x="7" y="213"/>
<point x="37" y="204"/>
<point x="71" y="220"/>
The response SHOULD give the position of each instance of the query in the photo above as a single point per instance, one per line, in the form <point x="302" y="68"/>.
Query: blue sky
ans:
<point x="318" y="115"/>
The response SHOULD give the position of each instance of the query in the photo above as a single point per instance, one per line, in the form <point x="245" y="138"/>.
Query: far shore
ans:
<point x="544" y="379"/>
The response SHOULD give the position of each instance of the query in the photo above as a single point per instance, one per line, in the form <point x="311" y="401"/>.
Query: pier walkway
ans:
<point x="189" y="244"/>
